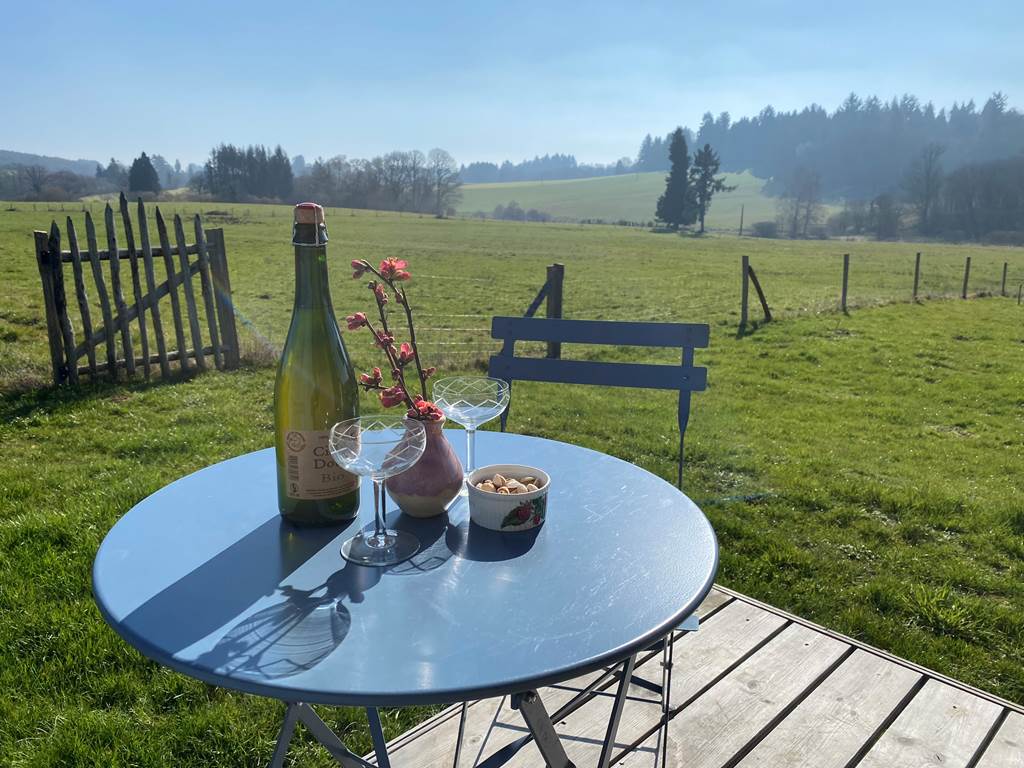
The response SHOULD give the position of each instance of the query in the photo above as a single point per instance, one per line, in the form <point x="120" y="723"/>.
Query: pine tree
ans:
<point x="142" y="177"/>
<point x="704" y="182"/>
<point x="676" y="207"/>
<point x="643" y="157"/>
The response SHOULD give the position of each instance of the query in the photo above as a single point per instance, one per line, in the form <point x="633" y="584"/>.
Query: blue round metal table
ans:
<point x="206" y="578"/>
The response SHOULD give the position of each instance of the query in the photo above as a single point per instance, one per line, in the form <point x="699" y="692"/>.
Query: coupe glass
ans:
<point x="378" y="447"/>
<point x="471" y="401"/>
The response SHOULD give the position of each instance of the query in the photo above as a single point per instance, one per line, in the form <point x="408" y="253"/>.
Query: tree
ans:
<point x="142" y="176"/>
<point x="704" y="182"/>
<point x="801" y="203"/>
<point x="886" y="217"/>
<point x="33" y="178"/>
<point x="114" y="174"/>
<point x="676" y="206"/>
<point x="444" y="180"/>
<point x="923" y="184"/>
<point x="164" y="171"/>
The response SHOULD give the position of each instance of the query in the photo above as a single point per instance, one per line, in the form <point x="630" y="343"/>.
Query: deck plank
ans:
<point x="942" y="726"/>
<point x="1007" y="748"/>
<point x="832" y="724"/>
<point x="492" y="724"/>
<point x="698" y="660"/>
<point x="742" y="677"/>
<point x="724" y="720"/>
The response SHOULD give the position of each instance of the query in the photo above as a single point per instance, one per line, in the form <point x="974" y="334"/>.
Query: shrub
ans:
<point x="764" y="229"/>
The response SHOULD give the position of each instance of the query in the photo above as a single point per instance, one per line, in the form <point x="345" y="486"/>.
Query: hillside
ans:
<point x="52" y="164"/>
<point x="630" y="196"/>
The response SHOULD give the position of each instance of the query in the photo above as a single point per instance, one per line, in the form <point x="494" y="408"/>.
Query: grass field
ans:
<point x="630" y="197"/>
<point x="887" y="445"/>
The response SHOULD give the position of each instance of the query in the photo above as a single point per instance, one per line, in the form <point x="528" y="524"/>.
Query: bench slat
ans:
<point x="613" y="332"/>
<point x="642" y="376"/>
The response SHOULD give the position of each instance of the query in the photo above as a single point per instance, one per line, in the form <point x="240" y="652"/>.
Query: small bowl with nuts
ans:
<point x="508" y="497"/>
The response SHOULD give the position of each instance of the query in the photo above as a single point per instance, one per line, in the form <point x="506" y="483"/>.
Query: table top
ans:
<point x="205" y="577"/>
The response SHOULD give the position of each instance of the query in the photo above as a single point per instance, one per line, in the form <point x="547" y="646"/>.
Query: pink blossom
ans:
<point x="371" y="379"/>
<point x="425" y="410"/>
<point x="356" y="321"/>
<point x="405" y="354"/>
<point x="392" y="396"/>
<point x="391" y="268"/>
<point x="358" y="268"/>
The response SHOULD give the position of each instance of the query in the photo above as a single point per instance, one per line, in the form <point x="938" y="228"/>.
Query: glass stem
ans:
<point x="379" y="502"/>
<point x="470" y="450"/>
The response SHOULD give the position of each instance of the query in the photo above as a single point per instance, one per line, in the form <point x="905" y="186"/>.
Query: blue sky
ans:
<point x="487" y="81"/>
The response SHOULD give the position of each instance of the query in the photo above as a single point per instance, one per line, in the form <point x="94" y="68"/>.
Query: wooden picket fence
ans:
<point x="118" y="317"/>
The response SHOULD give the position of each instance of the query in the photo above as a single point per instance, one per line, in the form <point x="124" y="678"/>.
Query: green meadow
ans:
<point x="629" y="197"/>
<point x="863" y="470"/>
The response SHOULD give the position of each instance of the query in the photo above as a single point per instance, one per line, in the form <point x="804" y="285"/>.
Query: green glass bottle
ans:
<point x="315" y="388"/>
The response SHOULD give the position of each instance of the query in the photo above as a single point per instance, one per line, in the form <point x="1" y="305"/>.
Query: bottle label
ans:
<point x="311" y="470"/>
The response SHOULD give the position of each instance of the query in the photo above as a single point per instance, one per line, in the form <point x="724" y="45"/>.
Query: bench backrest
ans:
<point x="685" y="377"/>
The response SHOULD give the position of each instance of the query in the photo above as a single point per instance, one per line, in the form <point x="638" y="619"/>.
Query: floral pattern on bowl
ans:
<point x="528" y="513"/>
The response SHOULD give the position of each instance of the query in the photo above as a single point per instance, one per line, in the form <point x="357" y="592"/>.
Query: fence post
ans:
<point x="556" y="273"/>
<point x="222" y="293"/>
<point x="1002" y="288"/>
<point x="846" y="278"/>
<point x="52" y="323"/>
<point x="744" y="290"/>
<point x="741" y="219"/>
<point x="967" y="275"/>
<point x="917" y="273"/>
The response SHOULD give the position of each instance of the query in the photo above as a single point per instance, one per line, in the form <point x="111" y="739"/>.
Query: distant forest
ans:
<point x="543" y="168"/>
<point x="859" y="151"/>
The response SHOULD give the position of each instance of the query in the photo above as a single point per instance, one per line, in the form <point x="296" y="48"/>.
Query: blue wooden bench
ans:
<point x="685" y="377"/>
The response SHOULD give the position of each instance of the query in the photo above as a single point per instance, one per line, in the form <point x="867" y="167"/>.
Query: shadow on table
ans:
<point x="433" y="551"/>
<point x="300" y="631"/>
<point x="251" y="568"/>
<point x="296" y="634"/>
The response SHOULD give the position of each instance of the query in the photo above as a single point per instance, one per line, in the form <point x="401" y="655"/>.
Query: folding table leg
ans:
<point x="666" y="697"/>
<point x="380" y="747"/>
<point x="613" y="722"/>
<point x="539" y="723"/>
<point x="284" y="738"/>
<point x="298" y="712"/>
<point x="462" y="733"/>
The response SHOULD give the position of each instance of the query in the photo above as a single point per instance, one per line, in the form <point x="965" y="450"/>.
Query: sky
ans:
<point x="484" y="80"/>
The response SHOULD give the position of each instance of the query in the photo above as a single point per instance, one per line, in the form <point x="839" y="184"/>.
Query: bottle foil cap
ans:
<point x="309" y="213"/>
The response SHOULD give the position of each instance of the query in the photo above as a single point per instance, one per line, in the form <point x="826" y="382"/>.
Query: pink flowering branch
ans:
<point x="390" y="272"/>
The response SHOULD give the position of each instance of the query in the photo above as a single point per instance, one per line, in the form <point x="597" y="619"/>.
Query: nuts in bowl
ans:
<point x="508" y="497"/>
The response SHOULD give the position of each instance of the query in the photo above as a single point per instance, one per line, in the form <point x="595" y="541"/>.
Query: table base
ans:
<point x="328" y="739"/>
<point x="530" y="706"/>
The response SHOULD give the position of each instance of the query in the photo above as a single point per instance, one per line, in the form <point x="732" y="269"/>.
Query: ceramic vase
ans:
<point x="427" y="487"/>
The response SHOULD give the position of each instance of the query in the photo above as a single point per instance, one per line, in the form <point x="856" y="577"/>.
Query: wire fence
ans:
<point x="609" y="275"/>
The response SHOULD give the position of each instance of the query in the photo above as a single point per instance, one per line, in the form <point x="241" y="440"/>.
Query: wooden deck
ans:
<point x="755" y="687"/>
